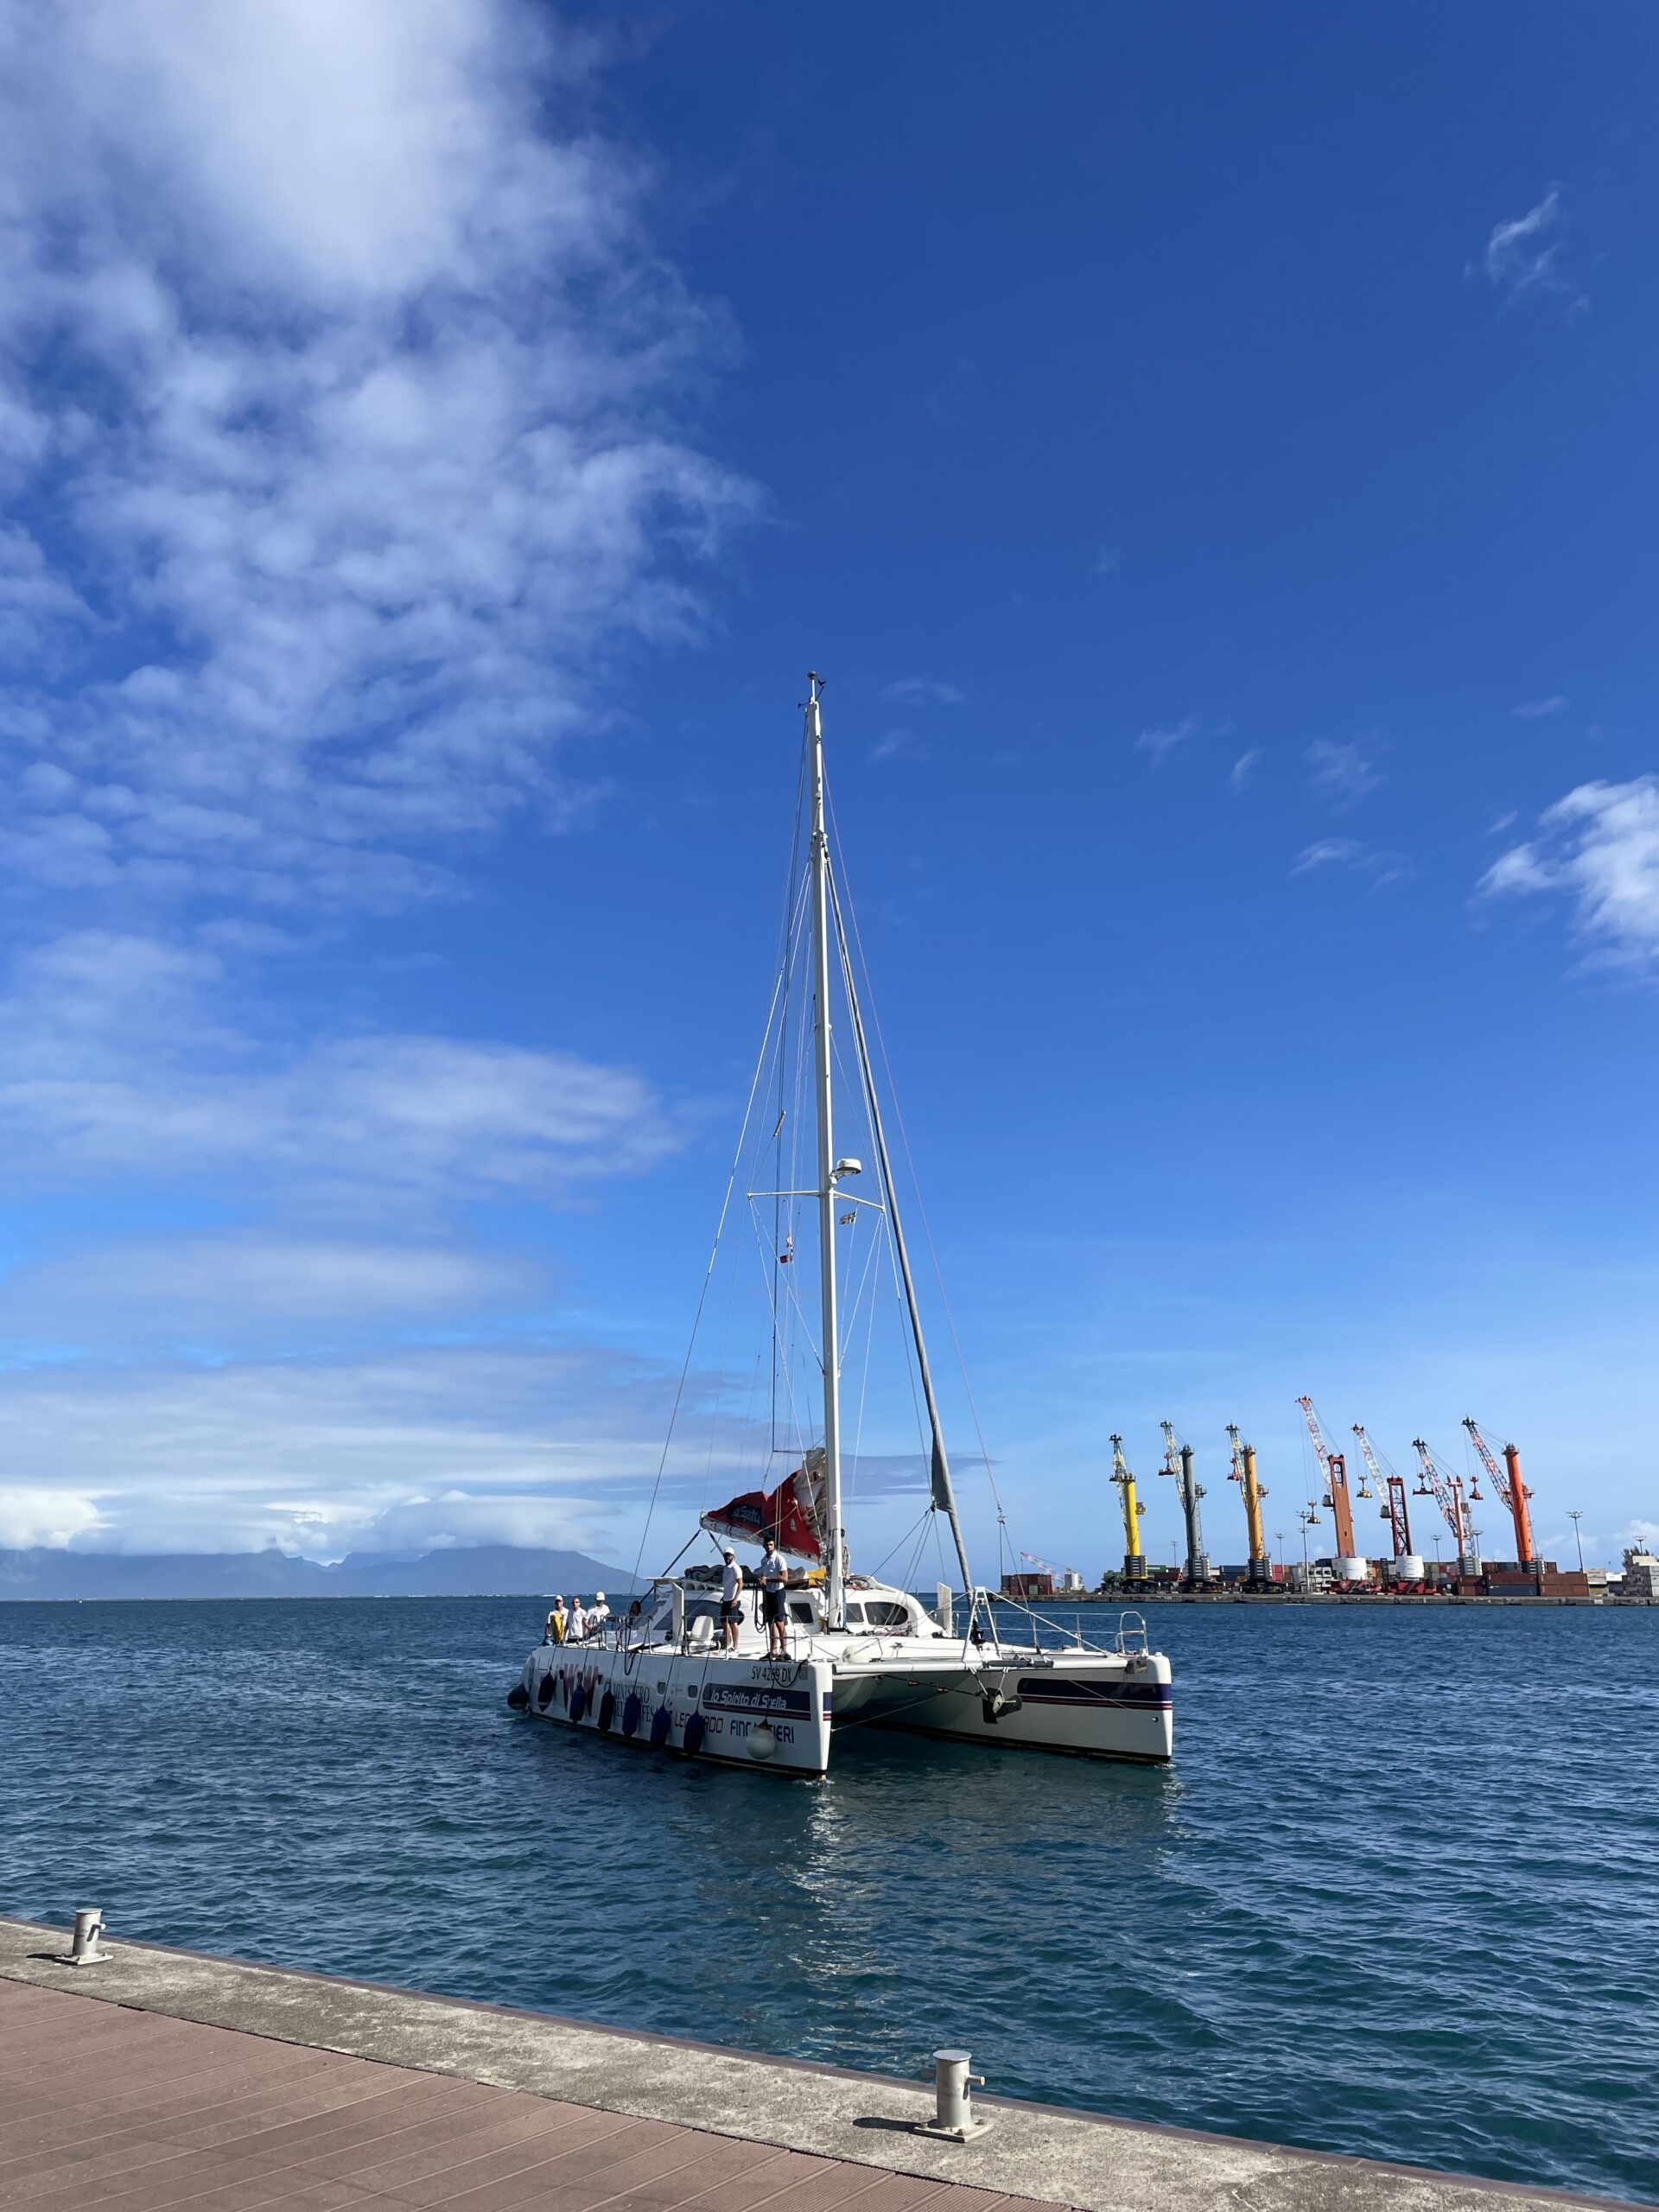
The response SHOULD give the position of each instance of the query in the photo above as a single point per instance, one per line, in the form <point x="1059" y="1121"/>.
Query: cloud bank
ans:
<point x="332" y="411"/>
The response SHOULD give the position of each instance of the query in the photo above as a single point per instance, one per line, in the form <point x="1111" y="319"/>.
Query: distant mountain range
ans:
<point x="480" y="1571"/>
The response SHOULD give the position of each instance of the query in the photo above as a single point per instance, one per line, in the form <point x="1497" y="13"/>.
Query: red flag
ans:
<point x="786" y="1514"/>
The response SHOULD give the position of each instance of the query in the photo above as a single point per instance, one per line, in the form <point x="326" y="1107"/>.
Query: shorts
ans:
<point x="774" y="1608"/>
<point x="730" y="1610"/>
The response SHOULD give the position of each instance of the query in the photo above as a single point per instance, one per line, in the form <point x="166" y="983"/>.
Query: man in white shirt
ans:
<point x="731" y="1599"/>
<point x="598" y="1614"/>
<point x="577" y="1627"/>
<point x="774" y="1578"/>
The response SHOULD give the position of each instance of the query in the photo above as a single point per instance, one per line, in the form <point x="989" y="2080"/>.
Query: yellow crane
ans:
<point x="1259" y="1574"/>
<point x="1135" y="1560"/>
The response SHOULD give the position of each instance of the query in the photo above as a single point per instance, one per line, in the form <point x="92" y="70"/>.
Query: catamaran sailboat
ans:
<point x="856" y="1651"/>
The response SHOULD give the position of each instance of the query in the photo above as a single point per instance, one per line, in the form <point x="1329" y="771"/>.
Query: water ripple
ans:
<point x="1399" y="1896"/>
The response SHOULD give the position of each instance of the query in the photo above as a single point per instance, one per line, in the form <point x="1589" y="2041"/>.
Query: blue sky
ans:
<point x="1209" y="452"/>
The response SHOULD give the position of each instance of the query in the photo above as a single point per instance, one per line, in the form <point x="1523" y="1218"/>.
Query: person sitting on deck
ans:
<point x="731" y="1598"/>
<point x="557" y="1621"/>
<point x="774" y="1579"/>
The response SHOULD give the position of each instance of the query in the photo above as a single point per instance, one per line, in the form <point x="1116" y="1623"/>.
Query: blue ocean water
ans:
<point x="1399" y="1896"/>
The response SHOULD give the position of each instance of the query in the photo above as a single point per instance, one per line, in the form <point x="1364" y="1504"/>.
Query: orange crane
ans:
<point x="1393" y="1487"/>
<point x="1334" y="1468"/>
<point x="1446" y="1489"/>
<point x="1509" y="1487"/>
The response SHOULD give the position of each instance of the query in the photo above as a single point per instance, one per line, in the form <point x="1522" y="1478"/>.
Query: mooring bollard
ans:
<point x="953" y="2107"/>
<point x="84" y="1949"/>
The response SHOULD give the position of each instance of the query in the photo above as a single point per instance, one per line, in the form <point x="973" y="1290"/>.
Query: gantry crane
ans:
<point x="1259" y="1573"/>
<point x="1446" y="1489"/>
<point x="1392" y="1484"/>
<point x="1350" y="1567"/>
<point x="1135" y="1560"/>
<point x="1177" y="1462"/>
<point x="1507" y="1481"/>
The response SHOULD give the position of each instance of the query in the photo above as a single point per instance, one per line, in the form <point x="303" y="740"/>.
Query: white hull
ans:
<point x="743" y="1709"/>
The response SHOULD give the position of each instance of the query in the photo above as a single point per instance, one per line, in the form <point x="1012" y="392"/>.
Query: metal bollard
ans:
<point x="953" y="2107"/>
<point x="84" y="1949"/>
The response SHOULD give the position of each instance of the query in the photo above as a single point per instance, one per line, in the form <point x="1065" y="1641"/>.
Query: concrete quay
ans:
<point x="163" y="2078"/>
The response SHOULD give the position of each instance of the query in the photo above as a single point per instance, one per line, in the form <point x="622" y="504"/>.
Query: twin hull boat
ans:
<point x="672" y="1685"/>
<point x="859" y="1654"/>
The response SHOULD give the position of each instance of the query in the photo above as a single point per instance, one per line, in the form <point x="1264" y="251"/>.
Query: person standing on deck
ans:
<point x="557" y="1621"/>
<point x="731" y="1599"/>
<point x="577" y="1627"/>
<point x="774" y="1578"/>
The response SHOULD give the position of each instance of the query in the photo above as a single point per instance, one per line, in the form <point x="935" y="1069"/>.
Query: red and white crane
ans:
<point x="1506" y="1481"/>
<point x="1392" y="1485"/>
<point x="1351" y="1565"/>
<point x="1446" y="1489"/>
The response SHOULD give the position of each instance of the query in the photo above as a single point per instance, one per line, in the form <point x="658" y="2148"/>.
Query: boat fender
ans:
<point x="578" y="1702"/>
<point x="694" y="1734"/>
<point x="762" y="1741"/>
<point x="607" y="1710"/>
<point x="544" y="1692"/>
<point x="630" y="1713"/>
<point x="659" y="1726"/>
<point x="519" y="1697"/>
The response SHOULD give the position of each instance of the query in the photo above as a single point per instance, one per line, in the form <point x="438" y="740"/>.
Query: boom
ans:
<point x="1507" y="1481"/>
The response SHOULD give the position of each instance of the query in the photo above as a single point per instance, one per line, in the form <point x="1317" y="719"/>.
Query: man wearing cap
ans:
<point x="731" y="1598"/>
<point x="557" y="1621"/>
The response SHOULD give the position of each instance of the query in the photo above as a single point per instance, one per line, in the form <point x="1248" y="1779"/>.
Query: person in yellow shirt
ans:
<point x="557" y="1621"/>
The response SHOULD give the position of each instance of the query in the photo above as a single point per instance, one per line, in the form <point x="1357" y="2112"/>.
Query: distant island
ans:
<point x="477" y="1571"/>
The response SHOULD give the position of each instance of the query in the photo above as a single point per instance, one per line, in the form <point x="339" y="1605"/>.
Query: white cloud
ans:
<point x="1370" y="860"/>
<point x="512" y="1445"/>
<point x="924" y="691"/>
<point x="55" y="1517"/>
<point x="1523" y="255"/>
<point x="247" y="1280"/>
<point x="1341" y="775"/>
<point x="1600" y="850"/>
<point x="888" y="746"/>
<point x="124" y="1056"/>
<point x="1533" y="710"/>
<point x="335" y="364"/>
<point x="1159" y="744"/>
<point x="1244" y="769"/>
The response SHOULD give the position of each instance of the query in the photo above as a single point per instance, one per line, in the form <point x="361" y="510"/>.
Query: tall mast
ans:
<point x="830" y="1327"/>
<point x="939" y="1484"/>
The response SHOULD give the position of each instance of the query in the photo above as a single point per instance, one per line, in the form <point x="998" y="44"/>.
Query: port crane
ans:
<point x="1057" y="1574"/>
<point x="1135" y="1560"/>
<point x="1506" y="1481"/>
<point x="1177" y="1464"/>
<point x="1350" y="1565"/>
<point x="1446" y="1489"/>
<point x="1259" y="1574"/>
<point x="1392" y="1485"/>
